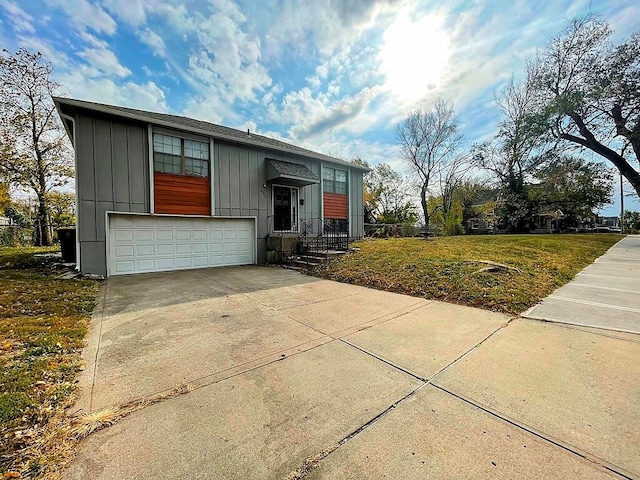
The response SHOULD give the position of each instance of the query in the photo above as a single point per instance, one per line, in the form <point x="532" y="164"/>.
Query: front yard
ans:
<point x="43" y="321"/>
<point x="451" y="269"/>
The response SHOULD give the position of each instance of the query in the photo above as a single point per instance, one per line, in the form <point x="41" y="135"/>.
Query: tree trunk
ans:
<point x="43" y="232"/>
<point x="423" y="202"/>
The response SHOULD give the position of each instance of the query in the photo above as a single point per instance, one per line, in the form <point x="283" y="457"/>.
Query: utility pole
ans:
<point x="621" y="205"/>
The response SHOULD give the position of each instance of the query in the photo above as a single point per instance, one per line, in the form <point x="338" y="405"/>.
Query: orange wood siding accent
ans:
<point x="181" y="195"/>
<point x="335" y="205"/>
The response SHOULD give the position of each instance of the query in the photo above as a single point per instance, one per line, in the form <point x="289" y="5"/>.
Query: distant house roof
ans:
<point x="64" y="105"/>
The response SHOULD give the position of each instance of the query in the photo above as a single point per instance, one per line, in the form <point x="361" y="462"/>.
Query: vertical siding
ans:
<point x="112" y="172"/>
<point x="356" y="215"/>
<point x="240" y="179"/>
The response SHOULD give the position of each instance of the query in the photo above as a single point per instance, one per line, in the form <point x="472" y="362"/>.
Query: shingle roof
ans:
<point x="198" y="126"/>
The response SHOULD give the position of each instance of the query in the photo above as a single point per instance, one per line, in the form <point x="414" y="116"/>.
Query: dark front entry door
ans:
<point x="282" y="218"/>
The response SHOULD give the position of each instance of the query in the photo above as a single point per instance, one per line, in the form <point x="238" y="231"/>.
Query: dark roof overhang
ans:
<point x="70" y="106"/>
<point x="287" y="173"/>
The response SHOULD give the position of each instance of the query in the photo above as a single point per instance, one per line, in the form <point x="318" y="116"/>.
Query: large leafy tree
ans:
<point x="587" y="93"/>
<point x="514" y="154"/>
<point x="385" y="195"/>
<point x="429" y="140"/>
<point x="574" y="186"/>
<point x="34" y="153"/>
<point x="393" y="204"/>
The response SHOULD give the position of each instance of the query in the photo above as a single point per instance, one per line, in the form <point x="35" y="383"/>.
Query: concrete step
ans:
<point x="311" y="258"/>
<point x="305" y="265"/>
<point x="324" y="254"/>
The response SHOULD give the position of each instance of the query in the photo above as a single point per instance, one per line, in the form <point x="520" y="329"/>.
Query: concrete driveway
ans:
<point x="291" y="377"/>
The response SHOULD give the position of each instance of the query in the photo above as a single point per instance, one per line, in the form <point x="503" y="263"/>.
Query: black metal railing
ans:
<point x="315" y="237"/>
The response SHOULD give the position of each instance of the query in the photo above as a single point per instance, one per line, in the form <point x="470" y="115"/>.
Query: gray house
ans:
<point x="159" y="192"/>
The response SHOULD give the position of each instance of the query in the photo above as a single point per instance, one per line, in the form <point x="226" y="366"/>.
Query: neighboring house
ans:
<point x="483" y="211"/>
<point x="5" y="222"/>
<point x="158" y="192"/>
<point x="548" y="222"/>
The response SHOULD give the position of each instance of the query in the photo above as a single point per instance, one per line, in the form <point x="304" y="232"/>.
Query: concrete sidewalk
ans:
<point x="296" y="377"/>
<point x="605" y="295"/>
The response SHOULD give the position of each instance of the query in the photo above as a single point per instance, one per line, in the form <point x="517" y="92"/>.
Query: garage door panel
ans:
<point x="199" y="235"/>
<point x="200" y="248"/>
<point x="145" y="250"/>
<point x="165" y="249"/>
<point x="216" y="260"/>
<point x="200" y="262"/>
<point x="121" y="221"/>
<point x="183" y="249"/>
<point x="124" y="235"/>
<point x="164" y="235"/>
<point x="127" y="266"/>
<point x="183" y="235"/>
<point x="140" y="244"/>
<point x="123" y="251"/>
<point x="146" y="265"/>
<point x="141" y="235"/>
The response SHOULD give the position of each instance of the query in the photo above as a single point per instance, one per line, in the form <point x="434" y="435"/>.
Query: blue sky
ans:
<point x="333" y="76"/>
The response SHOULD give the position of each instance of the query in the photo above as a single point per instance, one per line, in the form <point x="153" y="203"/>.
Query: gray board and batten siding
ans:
<point x="113" y="173"/>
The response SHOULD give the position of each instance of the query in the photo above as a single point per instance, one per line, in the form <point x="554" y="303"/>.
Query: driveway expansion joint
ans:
<point x="313" y="461"/>
<point x="95" y="359"/>
<point x="597" y="461"/>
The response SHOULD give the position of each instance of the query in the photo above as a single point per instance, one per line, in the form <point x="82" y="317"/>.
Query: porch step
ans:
<point x="314" y="259"/>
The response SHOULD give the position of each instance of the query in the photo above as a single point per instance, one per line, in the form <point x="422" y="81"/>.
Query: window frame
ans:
<point x="184" y="171"/>
<point x="329" y="184"/>
<point x="475" y="224"/>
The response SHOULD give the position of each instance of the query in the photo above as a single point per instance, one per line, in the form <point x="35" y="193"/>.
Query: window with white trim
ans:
<point x="334" y="180"/>
<point x="475" y="223"/>
<point x="180" y="156"/>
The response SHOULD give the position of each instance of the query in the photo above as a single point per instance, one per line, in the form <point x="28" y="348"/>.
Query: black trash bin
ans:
<point x="67" y="237"/>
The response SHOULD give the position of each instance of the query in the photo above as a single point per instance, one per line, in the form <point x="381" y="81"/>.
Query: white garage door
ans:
<point x="139" y="244"/>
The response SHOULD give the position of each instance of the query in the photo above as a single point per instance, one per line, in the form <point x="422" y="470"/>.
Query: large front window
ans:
<point x="180" y="156"/>
<point x="334" y="180"/>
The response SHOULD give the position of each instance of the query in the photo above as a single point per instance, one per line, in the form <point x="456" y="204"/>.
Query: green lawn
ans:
<point x="43" y="322"/>
<point x="440" y="268"/>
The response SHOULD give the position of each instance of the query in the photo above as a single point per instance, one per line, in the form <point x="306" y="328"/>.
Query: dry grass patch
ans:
<point x="452" y="269"/>
<point x="43" y="322"/>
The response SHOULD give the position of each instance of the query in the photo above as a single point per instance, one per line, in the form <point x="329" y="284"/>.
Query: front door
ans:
<point x="285" y="212"/>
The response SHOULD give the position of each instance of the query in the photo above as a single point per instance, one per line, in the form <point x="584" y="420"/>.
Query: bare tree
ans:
<point x="34" y="153"/>
<point x="517" y="149"/>
<point x="450" y="177"/>
<point x="429" y="140"/>
<point x="588" y="93"/>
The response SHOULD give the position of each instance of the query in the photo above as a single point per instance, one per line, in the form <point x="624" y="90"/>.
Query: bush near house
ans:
<point x="454" y="269"/>
<point x="43" y="321"/>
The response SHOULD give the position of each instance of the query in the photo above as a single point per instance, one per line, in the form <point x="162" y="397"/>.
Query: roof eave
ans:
<point x="154" y="121"/>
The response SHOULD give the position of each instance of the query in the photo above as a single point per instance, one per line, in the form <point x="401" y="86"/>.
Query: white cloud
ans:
<point x="224" y="64"/>
<point x="102" y="61"/>
<point x="153" y="41"/>
<point x="84" y="15"/>
<point x="146" y="96"/>
<point x="132" y="12"/>
<point x="20" y="20"/>
<point x="322" y="71"/>
<point x="318" y="26"/>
